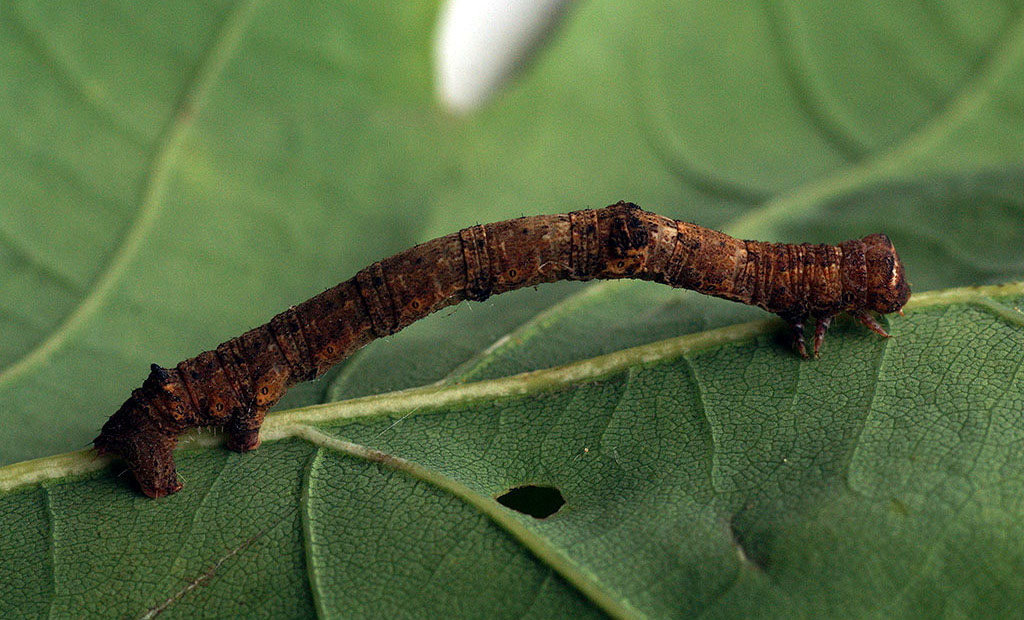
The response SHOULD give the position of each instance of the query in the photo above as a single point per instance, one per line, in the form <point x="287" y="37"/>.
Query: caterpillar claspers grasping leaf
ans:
<point x="234" y="385"/>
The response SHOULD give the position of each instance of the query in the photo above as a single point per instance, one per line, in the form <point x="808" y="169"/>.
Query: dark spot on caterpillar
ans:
<point x="540" y="502"/>
<point x="627" y="233"/>
<point x="858" y="276"/>
<point x="526" y="231"/>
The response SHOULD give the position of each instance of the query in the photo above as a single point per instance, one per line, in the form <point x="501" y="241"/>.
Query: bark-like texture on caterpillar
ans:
<point x="234" y="385"/>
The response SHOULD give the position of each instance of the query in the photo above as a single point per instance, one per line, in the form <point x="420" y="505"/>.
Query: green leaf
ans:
<point x="173" y="175"/>
<point x="713" y="473"/>
<point x="237" y="159"/>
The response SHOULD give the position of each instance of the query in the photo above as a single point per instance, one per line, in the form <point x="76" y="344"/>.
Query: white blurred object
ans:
<point x="480" y="43"/>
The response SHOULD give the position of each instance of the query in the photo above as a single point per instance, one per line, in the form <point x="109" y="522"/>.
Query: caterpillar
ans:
<point x="233" y="385"/>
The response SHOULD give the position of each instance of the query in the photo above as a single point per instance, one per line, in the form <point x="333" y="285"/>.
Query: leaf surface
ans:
<point x="174" y="175"/>
<point x="236" y="159"/>
<point x="714" y="473"/>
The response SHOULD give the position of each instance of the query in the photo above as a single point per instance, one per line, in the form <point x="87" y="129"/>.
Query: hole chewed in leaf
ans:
<point x="540" y="502"/>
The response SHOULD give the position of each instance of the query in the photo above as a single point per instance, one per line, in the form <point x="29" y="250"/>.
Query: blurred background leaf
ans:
<point x="173" y="176"/>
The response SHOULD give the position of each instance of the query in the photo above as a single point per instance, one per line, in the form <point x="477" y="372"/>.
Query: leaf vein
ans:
<point x="584" y="581"/>
<point x="1008" y="53"/>
<point x="155" y="184"/>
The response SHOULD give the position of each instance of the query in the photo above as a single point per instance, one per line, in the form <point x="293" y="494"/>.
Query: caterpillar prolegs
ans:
<point x="234" y="385"/>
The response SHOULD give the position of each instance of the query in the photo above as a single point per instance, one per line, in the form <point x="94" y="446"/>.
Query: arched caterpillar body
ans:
<point x="234" y="385"/>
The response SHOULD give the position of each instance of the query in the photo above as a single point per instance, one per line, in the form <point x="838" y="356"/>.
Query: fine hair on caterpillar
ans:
<point x="235" y="384"/>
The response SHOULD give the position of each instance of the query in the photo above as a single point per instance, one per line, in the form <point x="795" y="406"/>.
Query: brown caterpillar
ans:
<point x="234" y="385"/>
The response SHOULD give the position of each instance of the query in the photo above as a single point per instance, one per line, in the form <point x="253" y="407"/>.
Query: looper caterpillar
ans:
<point x="234" y="385"/>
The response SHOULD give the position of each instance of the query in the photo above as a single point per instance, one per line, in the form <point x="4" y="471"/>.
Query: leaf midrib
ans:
<point x="422" y="400"/>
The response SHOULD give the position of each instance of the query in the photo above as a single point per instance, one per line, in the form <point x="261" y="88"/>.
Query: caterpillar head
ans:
<point x="887" y="288"/>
